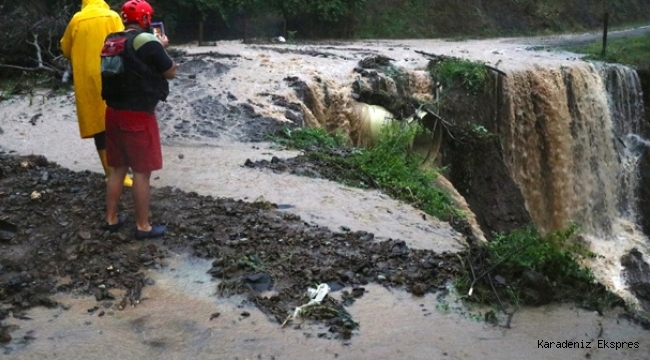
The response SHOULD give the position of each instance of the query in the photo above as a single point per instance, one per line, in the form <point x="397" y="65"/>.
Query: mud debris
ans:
<point x="58" y="246"/>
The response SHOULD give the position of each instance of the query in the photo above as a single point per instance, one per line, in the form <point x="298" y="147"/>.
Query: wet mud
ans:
<point x="51" y="242"/>
<point x="200" y="109"/>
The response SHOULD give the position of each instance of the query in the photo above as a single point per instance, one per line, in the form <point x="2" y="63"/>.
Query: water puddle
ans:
<point x="180" y="317"/>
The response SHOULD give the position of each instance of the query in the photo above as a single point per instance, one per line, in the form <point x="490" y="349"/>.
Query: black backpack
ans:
<point x="124" y="74"/>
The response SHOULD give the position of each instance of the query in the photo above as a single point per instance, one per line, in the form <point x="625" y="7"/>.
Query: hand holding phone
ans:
<point x="158" y="29"/>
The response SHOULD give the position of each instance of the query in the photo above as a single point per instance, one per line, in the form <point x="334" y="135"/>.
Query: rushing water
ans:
<point x="571" y="141"/>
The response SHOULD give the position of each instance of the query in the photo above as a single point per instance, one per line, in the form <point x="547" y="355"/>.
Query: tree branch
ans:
<point x="39" y="60"/>
<point x="25" y="68"/>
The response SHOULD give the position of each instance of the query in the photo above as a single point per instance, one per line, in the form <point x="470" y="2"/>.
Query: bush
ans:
<point x="451" y="73"/>
<point x="526" y="268"/>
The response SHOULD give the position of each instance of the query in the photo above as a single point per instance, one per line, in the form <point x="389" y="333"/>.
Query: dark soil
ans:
<point x="50" y="241"/>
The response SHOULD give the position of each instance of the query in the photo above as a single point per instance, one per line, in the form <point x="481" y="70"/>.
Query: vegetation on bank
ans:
<point x="389" y="166"/>
<point x="522" y="267"/>
<point x="632" y="51"/>
<point x="525" y="267"/>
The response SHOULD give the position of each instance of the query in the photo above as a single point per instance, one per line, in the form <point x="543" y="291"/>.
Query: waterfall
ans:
<point x="625" y="102"/>
<point x="572" y="140"/>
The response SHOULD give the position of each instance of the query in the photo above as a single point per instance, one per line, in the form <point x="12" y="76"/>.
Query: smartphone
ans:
<point x="158" y="29"/>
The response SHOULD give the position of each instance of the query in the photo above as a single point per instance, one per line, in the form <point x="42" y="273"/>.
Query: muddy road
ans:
<point x="246" y="243"/>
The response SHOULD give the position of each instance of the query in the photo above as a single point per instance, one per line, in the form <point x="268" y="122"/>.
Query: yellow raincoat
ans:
<point x="81" y="44"/>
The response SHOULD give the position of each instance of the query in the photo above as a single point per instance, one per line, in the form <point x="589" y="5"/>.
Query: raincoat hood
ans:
<point x="101" y="4"/>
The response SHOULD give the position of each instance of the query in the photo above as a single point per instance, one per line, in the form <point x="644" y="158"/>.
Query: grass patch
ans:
<point x="633" y="51"/>
<point x="390" y="166"/>
<point x="313" y="139"/>
<point x="526" y="268"/>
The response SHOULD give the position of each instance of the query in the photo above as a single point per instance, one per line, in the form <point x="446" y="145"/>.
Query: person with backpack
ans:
<point x="80" y="44"/>
<point x="135" y="68"/>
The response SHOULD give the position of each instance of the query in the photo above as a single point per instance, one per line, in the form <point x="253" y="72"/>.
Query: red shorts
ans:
<point x="133" y="140"/>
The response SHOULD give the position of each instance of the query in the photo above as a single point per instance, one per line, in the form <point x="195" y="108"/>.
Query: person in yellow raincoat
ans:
<point x="81" y="44"/>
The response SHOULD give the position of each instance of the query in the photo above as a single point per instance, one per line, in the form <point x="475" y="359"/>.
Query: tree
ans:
<point x="288" y="8"/>
<point x="335" y="10"/>
<point x="247" y="8"/>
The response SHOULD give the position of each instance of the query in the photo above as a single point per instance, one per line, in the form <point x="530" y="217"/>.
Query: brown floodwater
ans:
<point x="173" y="321"/>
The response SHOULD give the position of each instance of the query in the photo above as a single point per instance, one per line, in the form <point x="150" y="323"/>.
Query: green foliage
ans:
<point x="555" y="260"/>
<point x="452" y="72"/>
<point x="334" y="10"/>
<point x="390" y="166"/>
<point x="7" y="89"/>
<point x="400" y="21"/>
<point x="633" y="51"/>
<point x="398" y="172"/>
<point x="291" y="36"/>
<point x="554" y="255"/>
<point x="309" y="139"/>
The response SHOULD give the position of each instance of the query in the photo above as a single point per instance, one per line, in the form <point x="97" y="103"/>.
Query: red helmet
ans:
<point x="137" y="11"/>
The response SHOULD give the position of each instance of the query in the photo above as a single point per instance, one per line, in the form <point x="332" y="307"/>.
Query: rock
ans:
<point x="259" y="281"/>
<point x="535" y="288"/>
<point x="293" y="116"/>
<point x="636" y="273"/>
<point x="358" y="292"/>
<point x="5" y="336"/>
<point x="6" y="236"/>
<point x="419" y="289"/>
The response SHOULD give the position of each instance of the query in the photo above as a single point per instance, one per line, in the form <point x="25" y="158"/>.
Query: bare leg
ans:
<point x="114" y="184"/>
<point x="141" y="198"/>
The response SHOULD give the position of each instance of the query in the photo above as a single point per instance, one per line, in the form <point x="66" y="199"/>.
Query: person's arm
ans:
<point x="171" y="73"/>
<point x="151" y="50"/>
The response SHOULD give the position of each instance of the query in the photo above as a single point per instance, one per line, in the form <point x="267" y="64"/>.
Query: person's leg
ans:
<point x="141" y="197"/>
<point x="100" y="144"/>
<point x="116" y="157"/>
<point x="114" y="185"/>
<point x="145" y="156"/>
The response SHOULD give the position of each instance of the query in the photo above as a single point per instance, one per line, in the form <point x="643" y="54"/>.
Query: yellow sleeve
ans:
<point x="67" y="39"/>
